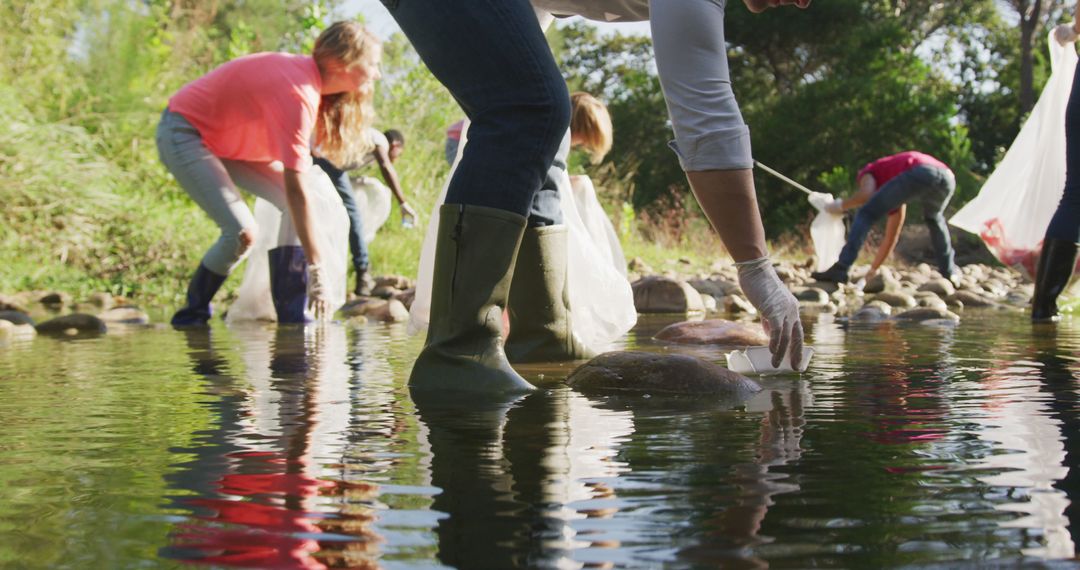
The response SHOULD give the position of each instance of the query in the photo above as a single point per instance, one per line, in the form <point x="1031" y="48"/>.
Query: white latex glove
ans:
<point x="1065" y="33"/>
<point x="819" y="199"/>
<point x="778" y="307"/>
<point x="318" y="296"/>
<point x="835" y="207"/>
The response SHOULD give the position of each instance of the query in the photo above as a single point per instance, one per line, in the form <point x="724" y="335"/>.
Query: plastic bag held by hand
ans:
<point x="1015" y="204"/>
<point x="827" y="231"/>
<point x="778" y="307"/>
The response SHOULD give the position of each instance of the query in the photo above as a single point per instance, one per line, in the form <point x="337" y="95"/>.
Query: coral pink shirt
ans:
<point x="260" y="108"/>
<point x="885" y="169"/>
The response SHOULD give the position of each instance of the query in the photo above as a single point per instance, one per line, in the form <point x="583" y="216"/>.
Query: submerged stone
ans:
<point x="72" y="325"/>
<point x="713" y="331"/>
<point x="647" y="373"/>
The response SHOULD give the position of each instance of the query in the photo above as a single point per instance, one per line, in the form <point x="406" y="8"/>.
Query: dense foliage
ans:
<point x="86" y="204"/>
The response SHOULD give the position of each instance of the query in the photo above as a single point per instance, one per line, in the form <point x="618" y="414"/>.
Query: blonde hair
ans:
<point x="341" y="131"/>
<point x="590" y="123"/>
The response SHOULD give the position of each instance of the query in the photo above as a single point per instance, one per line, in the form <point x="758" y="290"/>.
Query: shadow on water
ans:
<point x="288" y="447"/>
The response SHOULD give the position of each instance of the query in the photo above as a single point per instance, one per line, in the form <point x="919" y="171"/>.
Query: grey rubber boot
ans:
<point x="540" y="316"/>
<point x="474" y="264"/>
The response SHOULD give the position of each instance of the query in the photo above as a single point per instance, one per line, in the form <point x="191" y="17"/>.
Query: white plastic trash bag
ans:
<point x="373" y="201"/>
<point x="827" y="232"/>
<point x="596" y="223"/>
<point x="600" y="296"/>
<point x="253" y="300"/>
<point x="1015" y="204"/>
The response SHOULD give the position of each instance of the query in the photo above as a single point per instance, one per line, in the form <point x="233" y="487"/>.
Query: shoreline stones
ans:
<point x="75" y="324"/>
<point x="648" y="373"/>
<point x="658" y="294"/>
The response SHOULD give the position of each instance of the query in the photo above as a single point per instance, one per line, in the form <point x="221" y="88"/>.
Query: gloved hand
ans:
<point x="1065" y="33"/>
<point x="778" y="307"/>
<point x="819" y="200"/>
<point x="835" y="207"/>
<point x="317" y="294"/>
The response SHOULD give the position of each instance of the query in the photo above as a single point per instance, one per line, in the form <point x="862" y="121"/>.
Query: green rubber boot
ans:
<point x="540" y="316"/>
<point x="474" y="264"/>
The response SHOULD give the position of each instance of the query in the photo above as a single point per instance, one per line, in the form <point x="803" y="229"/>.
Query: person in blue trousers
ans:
<point x="495" y="60"/>
<point x="886" y="187"/>
<point x="386" y="149"/>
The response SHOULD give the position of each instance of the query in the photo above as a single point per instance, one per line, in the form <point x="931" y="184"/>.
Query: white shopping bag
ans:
<point x="1015" y="205"/>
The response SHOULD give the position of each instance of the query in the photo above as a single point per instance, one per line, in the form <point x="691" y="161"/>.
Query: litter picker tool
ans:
<point x="782" y="177"/>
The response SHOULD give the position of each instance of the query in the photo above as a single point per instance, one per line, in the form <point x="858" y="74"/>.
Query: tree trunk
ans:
<point x="1030" y="15"/>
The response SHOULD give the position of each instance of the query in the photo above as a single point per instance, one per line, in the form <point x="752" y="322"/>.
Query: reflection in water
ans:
<point x="516" y="475"/>
<point x="264" y="498"/>
<point x="904" y="445"/>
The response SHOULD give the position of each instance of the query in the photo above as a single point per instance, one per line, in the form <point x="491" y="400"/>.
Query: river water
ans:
<point x="264" y="447"/>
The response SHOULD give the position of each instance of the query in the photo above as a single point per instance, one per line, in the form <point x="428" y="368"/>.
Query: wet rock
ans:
<point x="927" y="314"/>
<point x="873" y="311"/>
<point x="385" y="292"/>
<point x="713" y="331"/>
<point x="939" y="286"/>
<point x="883" y="280"/>
<point x="718" y="288"/>
<point x="16" y="317"/>
<point x="75" y="324"/>
<point x="709" y="302"/>
<point x="896" y="299"/>
<point x="11" y="304"/>
<point x="399" y="282"/>
<point x="638" y="265"/>
<point x="10" y="330"/>
<point x="736" y="304"/>
<point x="646" y="373"/>
<point x="1018" y="298"/>
<point x="971" y="299"/>
<point x="406" y="297"/>
<point x="125" y="316"/>
<point x="55" y="299"/>
<point x="103" y="301"/>
<point x="930" y="300"/>
<point x="811" y="295"/>
<point x="382" y="310"/>
<point x="665" y="295"/>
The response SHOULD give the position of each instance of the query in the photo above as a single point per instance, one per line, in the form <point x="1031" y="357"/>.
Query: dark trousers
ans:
<point x="344" y="188"/>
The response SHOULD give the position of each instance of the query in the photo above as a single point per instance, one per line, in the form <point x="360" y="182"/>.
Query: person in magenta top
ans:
<point x="885" y="188"/>
<point x="226" y="129"/>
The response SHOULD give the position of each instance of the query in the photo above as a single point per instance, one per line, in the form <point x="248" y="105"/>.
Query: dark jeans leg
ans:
<point x="494" y="59"/>
<point x="890" y="197"/>
<point x="934" y="200"/>
<point x="1065" y="225"/>
<point x="546" y="208"/>
<point x="356" y="223"/>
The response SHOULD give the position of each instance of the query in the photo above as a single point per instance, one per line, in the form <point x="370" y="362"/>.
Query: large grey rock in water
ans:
<point x="713" y="331"/>
<point x="666" y="295"/>
<point x="647" y="373"/>
<point x="73" y="325"/>
<point x="387" y="311"/>
<point x="873" y="311"/>
<point x="896" y="299"/>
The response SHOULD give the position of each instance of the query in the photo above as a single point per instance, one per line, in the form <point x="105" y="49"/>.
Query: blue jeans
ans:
<point x="929" y="187"/>
<point x="1065" y="225"/>
<point x="344" y="188"/>
<point x="494" y="59"/>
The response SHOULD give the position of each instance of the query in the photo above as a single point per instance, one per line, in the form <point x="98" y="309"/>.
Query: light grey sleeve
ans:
<point x="691" y="58"/>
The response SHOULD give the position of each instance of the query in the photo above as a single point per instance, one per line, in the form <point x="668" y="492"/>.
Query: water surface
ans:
<point x="266" y="447"/>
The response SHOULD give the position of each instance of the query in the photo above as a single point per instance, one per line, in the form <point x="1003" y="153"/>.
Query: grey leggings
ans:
<point x="211" y="182"/>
